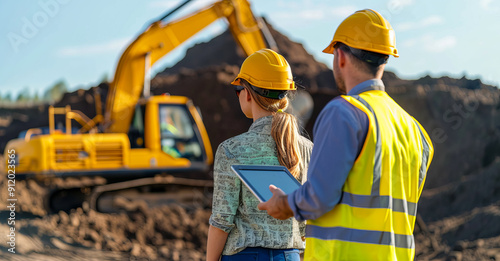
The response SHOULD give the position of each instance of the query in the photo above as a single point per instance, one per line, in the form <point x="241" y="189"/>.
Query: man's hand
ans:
<point x="277" y="206"/>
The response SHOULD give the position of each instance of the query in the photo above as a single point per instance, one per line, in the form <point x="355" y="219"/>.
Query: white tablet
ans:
<point x="258" y="178"/>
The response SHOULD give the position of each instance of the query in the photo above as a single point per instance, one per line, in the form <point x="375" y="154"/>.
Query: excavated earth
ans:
<point x="459" y="207"/>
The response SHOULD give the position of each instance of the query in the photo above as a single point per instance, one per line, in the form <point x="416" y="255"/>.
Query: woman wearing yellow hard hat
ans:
<point x="237" y="228"/>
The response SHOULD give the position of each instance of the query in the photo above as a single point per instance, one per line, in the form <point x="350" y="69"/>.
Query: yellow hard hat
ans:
<point x="366" y="30"/>
<point x="266" y="69"/>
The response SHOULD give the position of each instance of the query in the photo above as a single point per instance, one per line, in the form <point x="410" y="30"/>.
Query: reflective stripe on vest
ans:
<point x="378" y="201"/>
<point x="425" y="156"/>
<point x="363" y="236"/>
<point x="378" y="149"/>
<point x="370" y="220"/>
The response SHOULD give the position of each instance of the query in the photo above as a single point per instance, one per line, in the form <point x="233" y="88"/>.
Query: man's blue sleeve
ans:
<point x="339" y="135"/>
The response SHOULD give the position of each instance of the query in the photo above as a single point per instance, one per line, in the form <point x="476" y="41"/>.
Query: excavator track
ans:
<point x="177" y="190"/>
<point x="69" y="193"/>
<point x="54" y="194"/>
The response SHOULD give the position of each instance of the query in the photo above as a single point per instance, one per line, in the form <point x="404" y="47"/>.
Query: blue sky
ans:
<point x="44" y="41"/>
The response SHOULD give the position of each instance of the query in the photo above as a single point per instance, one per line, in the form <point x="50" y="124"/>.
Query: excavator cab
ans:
<point x="167" y="131"/>
<point x="177" y="133"/>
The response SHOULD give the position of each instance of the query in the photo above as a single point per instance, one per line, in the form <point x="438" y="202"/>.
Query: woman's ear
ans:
<point x="249" y="96"/>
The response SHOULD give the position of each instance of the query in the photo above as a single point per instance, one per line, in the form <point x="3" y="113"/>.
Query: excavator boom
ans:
<point x="159" y="39"/>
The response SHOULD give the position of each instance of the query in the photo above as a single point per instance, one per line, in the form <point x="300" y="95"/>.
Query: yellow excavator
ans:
<point x="139" y="136"/>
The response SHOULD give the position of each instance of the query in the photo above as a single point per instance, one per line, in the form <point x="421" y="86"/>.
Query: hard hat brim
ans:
<point x="329" y="49"/>
<point x="289" y="86"/>
<point x="236" y="81"/>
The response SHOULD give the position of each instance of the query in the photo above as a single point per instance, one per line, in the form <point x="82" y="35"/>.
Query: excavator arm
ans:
<point x="131" y="76"/>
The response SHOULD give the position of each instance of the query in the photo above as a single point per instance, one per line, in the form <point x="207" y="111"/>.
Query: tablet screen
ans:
<point x="258" y="179"/>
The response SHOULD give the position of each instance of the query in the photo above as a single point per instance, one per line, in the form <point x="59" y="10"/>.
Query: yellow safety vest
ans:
<point x="375" y="217"/>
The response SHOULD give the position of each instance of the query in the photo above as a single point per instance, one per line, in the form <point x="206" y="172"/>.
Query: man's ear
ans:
<point x="342" y="57"/>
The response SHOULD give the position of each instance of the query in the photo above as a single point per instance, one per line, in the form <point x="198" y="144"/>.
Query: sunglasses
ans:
<point x="238" y="89"/>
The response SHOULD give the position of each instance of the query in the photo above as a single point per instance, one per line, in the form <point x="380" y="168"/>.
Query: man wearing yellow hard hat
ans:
<point x="369" y="161"/>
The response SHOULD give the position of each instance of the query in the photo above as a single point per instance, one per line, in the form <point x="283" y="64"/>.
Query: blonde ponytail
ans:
<point x="285" y="133"/>
<point x="284" y="130"/>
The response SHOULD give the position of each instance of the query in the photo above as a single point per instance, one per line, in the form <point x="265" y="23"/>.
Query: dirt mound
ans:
<point x="464" y="125"/>
<point x="168" y="233"/>
<point x="223" y="50"/>
<point x="165" y="233"/>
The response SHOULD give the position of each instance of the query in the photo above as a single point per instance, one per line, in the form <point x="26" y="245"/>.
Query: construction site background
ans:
<point x="460" y="204"/>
